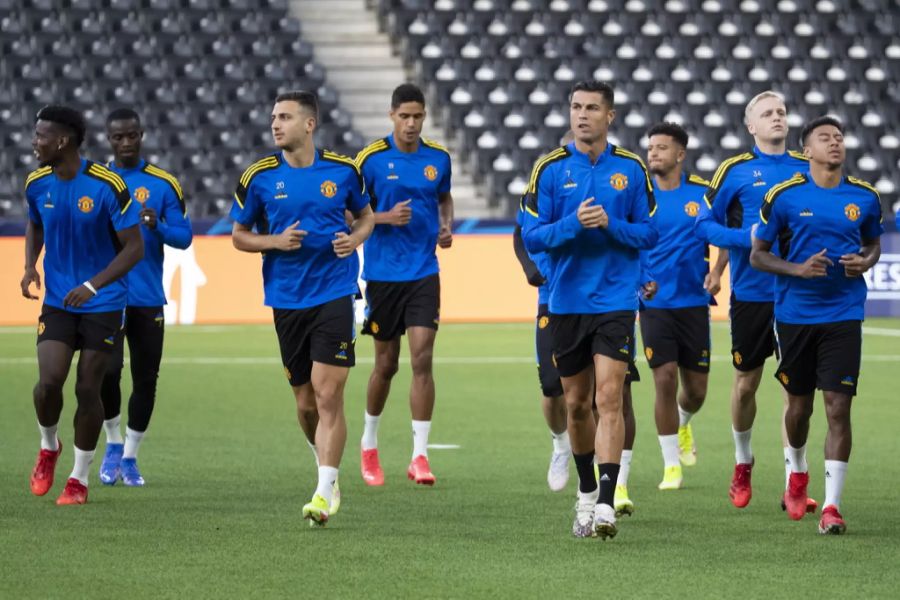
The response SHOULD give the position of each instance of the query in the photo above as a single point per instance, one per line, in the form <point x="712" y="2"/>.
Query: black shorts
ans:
<point x="824" y="356"/>
<point x="677" y="335"/>
<point x="578" y="337"/>
<point x="547" y="373"/>
<point x="80" y="331"/>
<point x="324" y="334"/>
<point x="392" y="306"/>
<point x="752" y="333"/>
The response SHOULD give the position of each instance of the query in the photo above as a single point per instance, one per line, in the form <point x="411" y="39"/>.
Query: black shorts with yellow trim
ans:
<point x="823" y="356"/>
<point x="325" y="334"/>
<point x="548" y="375"/>
<point x="578" y="337"/>
<point x="752" y="333"/>
<point x="98" y="331"/>
<point x="393" y="306"/>
<point x="678" y="335"/>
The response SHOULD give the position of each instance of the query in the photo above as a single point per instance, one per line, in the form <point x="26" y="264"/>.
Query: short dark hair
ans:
<point x="123" y="114"/>
<point x="407" y="92"/>
<point x="604" y="89"/>
<point x="64" y="116"/>
<point x="305" y="99"/>
<point x="673" y="130"/>
<point x="818" y="122"/>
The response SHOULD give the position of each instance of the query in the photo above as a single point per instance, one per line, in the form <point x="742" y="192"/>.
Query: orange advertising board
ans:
<point x="213" y="283"/>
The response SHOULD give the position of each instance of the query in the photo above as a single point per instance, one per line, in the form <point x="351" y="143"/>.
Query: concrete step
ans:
<point x="350" y="50"/>
<point x="337" y="29"/>
<point x="353" y="78"/>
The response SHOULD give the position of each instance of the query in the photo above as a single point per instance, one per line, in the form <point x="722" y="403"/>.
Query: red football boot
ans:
<point x="74" y="493"/>
<point x="371" y="467"/>
<point x="419" y="471"/>
<point x="44" y="468"/>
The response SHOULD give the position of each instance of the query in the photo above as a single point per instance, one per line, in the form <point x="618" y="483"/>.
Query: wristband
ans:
<point x="88" y="285"/>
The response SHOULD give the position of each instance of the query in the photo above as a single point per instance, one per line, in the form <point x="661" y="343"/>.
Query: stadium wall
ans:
<point x="481" y="281"/>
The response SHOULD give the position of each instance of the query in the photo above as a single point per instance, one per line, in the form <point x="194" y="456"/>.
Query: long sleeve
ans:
<point x="532" y="273"/>
<point x="538" y="231"/>
<point x="710" y="225"/>
<point x="174" y="226"/>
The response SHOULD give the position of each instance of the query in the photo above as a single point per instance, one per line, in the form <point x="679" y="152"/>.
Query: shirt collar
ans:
<point x="581" y="156"/>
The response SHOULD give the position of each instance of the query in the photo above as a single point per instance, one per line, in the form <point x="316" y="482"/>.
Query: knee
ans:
<point x="838" y="412"/>
<point x="87" y="394"/>
<point x="386" y="368"/>
<point x="43" y="389"/>
<point x="609" y="398"/>
<point x="746" y="388"/>
<point x="421" y="362"/>
<point x="578" y="410"/>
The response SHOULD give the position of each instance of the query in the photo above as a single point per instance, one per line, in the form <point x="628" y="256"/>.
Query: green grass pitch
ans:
<point x="228" y="471"/>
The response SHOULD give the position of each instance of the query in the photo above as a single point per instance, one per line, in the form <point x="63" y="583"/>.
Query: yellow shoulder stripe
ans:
<point x="164" y="175"/>
<point x="435" y="145"/>
<point x="105" y="174"/>
<point x="265" y="163"/>
<point x="539" y="165"/>
<point x="778" y="187"/>
<point x="376" y="146"/>
<point x="727" y="164"/>
<point x="346" y="160"/>
<point x="798" y="155"/>
<point x="37" y="174"/>
<point x="864" y="184"/>
<point x="696" y="179"/>
<point x="627" y="154"/>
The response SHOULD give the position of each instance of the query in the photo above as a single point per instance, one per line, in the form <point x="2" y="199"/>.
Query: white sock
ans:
<point x="420" y="438"/>
<point x="684" y="417"/>
<point x="49" y="441"/>
<point x="113" y="433"/>
<point x="797" y="456"/>
<point x="370" y="432"/>
<point x="787" y="465"/>
<point x="835" y="472"/>
<point x="315" y="451"/>
<point x="561" y="442"/>
<point x="132" y="442"/>
<point x="83" y="460"/>
<point x="669" y="446"/>
<point x="624" y="468"/>
<point x="327" y="477"/>
<point x="743" y="455"/>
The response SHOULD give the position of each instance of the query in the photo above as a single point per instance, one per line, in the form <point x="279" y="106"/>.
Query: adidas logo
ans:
<point x="605" y="477"/>
<point x="827" y="474"/>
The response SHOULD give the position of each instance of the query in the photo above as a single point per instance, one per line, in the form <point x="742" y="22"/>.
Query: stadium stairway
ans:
<point x="361" y="66"/>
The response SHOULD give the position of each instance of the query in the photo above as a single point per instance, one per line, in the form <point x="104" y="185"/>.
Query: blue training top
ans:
<point x="731" y="208"/>
<point x="597" y="270"/>
<point x="679" y="261"/>
<point x="272" y="195"/>
<point x="154" y="188"/>
<point x="404" y="253"/>
<point x="80" y="218"/>
<point x="807" y="219"/>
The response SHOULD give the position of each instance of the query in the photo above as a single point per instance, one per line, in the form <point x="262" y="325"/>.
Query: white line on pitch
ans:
<point x="444" y="446"/>
<point x="368" y="360"/>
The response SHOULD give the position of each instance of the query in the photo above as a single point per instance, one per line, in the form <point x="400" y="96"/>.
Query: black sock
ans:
<point x="587" y="481"/>
<point x="609" y="474"/>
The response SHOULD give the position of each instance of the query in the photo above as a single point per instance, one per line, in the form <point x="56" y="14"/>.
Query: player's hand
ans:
<point x="77" y="296"/>
<point x="31" y="275"/>
<point x="445" y="237"/>
<point x="344" y="245"/>
<point x="712" y="283"/>
<point x="291" y="238"/>
<point x="649" y="289"/>
<point x="854" y="264"/>
<point x="815" y="266"/>
<point x="148" y="217"/>
<point x="401" y="213"/>
<point x="591" y="216"/>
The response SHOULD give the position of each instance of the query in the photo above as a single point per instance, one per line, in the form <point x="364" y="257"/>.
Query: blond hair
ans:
<point x="756" y="99"/>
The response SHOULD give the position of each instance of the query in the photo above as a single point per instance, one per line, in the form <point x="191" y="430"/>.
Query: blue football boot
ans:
<point x="109" y="468"/>
<point x="131" y="476"/>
